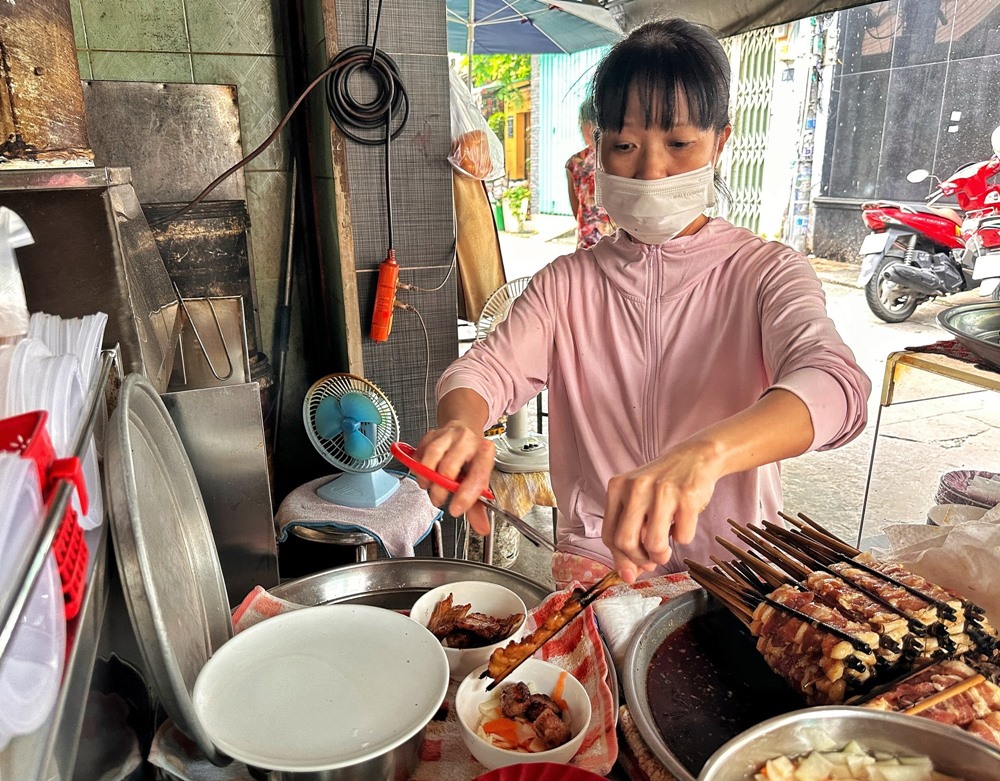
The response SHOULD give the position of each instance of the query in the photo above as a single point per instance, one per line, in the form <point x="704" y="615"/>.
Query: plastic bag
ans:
<point x="475" y="149"/>
<point x="13" y="307"/>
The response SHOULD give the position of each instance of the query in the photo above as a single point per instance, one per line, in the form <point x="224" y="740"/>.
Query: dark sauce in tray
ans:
<point x="707" y="683"/>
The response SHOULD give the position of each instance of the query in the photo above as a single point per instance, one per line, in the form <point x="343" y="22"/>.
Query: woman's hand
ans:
<point x="463" y="454"/>
<point x="663" y="499"/>
<point x="656" y="502"/>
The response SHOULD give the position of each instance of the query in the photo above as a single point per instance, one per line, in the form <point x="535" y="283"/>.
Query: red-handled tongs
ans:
<point x="404" y="453"/>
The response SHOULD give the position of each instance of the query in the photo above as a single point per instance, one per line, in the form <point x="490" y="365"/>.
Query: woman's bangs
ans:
<point x="656" y="81"/>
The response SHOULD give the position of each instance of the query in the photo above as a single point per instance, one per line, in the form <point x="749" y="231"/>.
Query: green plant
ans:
<point x="517" y="198"/>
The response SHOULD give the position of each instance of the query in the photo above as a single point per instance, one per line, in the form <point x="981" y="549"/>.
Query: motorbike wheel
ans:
<point x="887" y="300"/>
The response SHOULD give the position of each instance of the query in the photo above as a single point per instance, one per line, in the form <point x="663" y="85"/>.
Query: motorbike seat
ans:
<point x="920" y="208"/>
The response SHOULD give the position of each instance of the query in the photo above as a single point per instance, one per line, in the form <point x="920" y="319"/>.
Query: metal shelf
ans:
<point x="50" y="751"/>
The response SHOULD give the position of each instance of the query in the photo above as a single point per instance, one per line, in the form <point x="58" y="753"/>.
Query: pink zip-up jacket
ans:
<point x="641" y="346"/>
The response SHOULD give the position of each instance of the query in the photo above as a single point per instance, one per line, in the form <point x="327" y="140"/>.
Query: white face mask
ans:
<point x="655" y="210"/>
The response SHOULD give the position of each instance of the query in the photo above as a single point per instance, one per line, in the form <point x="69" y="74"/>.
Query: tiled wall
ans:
<point x="915" y="87"/>
<point x="208" y="42"/>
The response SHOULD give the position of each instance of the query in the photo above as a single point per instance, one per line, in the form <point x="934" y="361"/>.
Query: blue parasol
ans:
<point x="527" y="26"/>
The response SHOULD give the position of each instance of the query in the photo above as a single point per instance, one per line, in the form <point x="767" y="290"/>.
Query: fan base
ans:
<point x="359" y="489"/>
<point x="517" y="456"/>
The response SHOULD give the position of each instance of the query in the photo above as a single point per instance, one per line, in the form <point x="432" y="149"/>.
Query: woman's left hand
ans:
<point x="657" y="502"/>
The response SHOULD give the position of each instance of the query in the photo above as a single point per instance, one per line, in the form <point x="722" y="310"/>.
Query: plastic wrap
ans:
<point x="475" y="149"/>
<point x="13" y="307"/>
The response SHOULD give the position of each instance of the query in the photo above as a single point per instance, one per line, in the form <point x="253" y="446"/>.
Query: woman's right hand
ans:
<point x="465" y="455"/>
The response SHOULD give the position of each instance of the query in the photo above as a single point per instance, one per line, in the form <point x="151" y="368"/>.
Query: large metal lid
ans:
<point x="166" y="555"/>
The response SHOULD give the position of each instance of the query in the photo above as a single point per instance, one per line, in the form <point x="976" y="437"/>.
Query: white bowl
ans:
<point x="541" y="676"/>
<point x="491" y="599"/>
<point x="953" y="514"/>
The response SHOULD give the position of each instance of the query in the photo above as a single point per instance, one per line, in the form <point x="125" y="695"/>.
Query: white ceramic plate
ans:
<point x="321" y="688"/>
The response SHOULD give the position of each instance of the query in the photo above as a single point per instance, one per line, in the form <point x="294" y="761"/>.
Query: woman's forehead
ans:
<point x="645" y="108"/>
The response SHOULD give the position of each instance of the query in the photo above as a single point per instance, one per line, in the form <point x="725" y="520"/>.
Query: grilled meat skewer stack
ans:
<point x="834" y="621"/>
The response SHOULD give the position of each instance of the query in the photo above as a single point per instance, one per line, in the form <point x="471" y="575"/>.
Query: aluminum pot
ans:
<point x="950" y="749"/>
<point x="394" y="765"/>
<point x="394" y="584"/>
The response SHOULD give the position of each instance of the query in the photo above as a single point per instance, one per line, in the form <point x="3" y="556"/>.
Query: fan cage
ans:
<point x="382" y="435"/>
<point x="498" y="305"/>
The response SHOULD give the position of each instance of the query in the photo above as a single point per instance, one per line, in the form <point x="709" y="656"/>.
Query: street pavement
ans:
<point x="917" y="441"/>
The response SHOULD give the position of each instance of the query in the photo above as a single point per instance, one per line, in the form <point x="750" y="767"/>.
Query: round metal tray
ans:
<point x="977" y="326"/>
<point x="721" y="658"/>
<point x="397" y="583"/>
<point x="166" y="555"/>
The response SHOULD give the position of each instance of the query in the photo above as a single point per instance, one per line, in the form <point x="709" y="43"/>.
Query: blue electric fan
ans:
<point x="351" y="423"/>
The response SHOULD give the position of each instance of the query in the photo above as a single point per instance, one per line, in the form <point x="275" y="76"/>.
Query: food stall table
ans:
<point x="938" y="371"/>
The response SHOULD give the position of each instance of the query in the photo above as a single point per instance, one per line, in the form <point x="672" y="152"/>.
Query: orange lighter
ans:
<point x="385" y="298"/>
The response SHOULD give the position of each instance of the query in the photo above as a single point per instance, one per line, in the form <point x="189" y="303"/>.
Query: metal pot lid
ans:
<point x="167" y="560"/>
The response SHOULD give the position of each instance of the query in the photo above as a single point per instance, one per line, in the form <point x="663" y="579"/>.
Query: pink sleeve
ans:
<point x="804" y="354"/>
<point x="510" y="366"/>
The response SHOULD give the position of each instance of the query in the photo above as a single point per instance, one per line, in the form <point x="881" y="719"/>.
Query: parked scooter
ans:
<point x="981" y="230"/>
<point x="916" y="253"/>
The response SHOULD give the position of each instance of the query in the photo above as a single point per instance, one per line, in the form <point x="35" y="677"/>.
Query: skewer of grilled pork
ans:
<point x="816" y="649"/>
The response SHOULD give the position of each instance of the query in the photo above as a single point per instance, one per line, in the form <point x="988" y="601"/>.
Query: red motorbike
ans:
<point x="918" y="252"/>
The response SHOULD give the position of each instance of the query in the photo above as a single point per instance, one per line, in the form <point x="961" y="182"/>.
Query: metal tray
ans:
<point x="166" y="554"/>
<point x="977" y="327"/>
<point x="722" y="658"/>
<point x="397" y="583"/>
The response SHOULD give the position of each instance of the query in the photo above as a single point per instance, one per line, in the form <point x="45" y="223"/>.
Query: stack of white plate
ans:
<point x="32" y="665"/>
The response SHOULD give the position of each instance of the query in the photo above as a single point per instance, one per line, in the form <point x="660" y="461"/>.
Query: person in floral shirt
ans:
<point x="592" y="222"/>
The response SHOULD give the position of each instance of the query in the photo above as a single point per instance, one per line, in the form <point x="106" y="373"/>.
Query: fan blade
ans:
<point x="358" y="446"/>
<point x="329" y="418"/>
<point x="357" y="405"/>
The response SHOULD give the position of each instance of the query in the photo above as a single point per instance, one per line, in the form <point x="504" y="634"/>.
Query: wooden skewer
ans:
<point x="784" y="541"/>
<point x="757" y="540"/>
<point x="574" y="606"/>
<point x="740" y="577"/>
<point x="945" y="694"/>
<point x="806" y="540"/>
<point x="726" y="591"/>
<point x="773" y="577"/>
<point x="822" y="529"/>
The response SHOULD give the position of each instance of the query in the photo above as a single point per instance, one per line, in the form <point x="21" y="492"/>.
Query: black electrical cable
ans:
<point x="352" y="115"/>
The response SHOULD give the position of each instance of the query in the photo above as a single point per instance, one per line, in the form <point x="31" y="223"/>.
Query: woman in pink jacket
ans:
<point x="684" y="357"/>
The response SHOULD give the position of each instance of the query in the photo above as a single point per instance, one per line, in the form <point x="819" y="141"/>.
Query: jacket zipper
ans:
<point x="652" y="341"/>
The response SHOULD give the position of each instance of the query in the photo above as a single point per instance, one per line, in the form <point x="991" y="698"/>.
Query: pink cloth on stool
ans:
<point x="399" y="523"/>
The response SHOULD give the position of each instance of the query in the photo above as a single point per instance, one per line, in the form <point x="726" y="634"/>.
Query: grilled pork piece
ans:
<point x="515" y="699"/>
<point x="551" y="729"/>
<point x="820" y="657"/>
<point x="540" y="702"/>
<point x="457" y="627"/>
<point x="987" y="728"/>
<point x="445" y="616"/>
<point x="540" y="710"/>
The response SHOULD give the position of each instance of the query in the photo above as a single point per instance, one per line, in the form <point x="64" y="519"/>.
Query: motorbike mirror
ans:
<point x="995" y="141"/>
<point x="914" y="177"/>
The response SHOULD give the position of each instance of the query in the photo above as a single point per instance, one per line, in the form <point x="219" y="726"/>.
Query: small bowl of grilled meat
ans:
<point x="540" y="713"/>
<point x="471" y="619"/>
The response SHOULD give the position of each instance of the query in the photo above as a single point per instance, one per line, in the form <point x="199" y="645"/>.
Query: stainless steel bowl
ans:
<point x="950" y="749"/>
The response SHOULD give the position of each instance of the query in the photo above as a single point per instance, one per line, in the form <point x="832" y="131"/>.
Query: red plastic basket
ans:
<point x="27" y="436"/>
